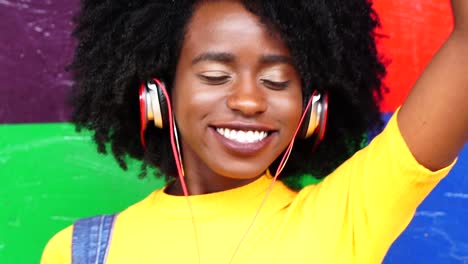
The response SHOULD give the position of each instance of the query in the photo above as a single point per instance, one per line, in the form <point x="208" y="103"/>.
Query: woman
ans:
<point x="243" y="81"/>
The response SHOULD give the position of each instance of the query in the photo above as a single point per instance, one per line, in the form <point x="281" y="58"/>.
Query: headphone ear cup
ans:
<point x="163" y="105"/>
<point x="315" y="118"/>
<point x="323" y="117"/>
<point x="153" y="106"/>
<point x="304" y="130"/>
<point x="143" y="97"/>
<point x="157" y="104"/>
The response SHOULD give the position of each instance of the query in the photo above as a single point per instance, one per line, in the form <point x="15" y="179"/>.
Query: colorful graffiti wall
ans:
<point x="50" y="175"/>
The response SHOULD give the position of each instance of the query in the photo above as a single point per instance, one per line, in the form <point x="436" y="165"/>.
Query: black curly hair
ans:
<point x="122" y="43"/>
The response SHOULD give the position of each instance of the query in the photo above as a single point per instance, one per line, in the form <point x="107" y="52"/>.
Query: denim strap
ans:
<point x="91" y="238"/>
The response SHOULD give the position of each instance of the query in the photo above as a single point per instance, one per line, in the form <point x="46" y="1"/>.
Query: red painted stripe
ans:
<point x="415" y="30"/>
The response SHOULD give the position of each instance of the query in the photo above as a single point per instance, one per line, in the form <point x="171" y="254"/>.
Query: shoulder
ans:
<point x="383" y="169"/>
<point x="58" y="249"/>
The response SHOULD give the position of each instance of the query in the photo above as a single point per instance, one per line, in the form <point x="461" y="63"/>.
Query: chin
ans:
<point x="242" y="174"/>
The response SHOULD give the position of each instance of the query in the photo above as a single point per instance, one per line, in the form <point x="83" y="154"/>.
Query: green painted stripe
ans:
<point x="50" y="175"/>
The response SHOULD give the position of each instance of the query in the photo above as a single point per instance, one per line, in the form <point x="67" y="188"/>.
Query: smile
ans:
<point x="242" y="136"/>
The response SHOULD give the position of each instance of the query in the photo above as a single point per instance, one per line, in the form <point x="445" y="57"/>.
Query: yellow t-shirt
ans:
<point x="352" y="216"/>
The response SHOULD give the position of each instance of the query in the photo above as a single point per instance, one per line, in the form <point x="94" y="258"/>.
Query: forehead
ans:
<point x="217" y="24"/>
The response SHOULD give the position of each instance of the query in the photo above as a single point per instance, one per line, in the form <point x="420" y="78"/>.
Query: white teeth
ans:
<point x="242" y="136"/>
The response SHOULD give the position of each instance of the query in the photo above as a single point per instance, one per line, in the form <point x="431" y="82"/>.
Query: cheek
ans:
<point x="192" y="104"/>
<point x="182" y="99"/>
<point x="294" y="117"/>
<point x="289" y="109"/>
<point x="181" y="104"/>
<point x="184" y="115"/>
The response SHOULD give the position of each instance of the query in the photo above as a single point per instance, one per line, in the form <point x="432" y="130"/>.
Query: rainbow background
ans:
<point x="50" y="175"/>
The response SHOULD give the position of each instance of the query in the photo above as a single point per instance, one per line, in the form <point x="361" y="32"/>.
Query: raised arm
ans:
<point x="434" y="118"/>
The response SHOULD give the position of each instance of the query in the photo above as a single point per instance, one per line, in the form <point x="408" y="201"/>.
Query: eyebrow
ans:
<point x="225" y="57"/>
<point x="271" y="59"/>
<point x="214" y="56"/>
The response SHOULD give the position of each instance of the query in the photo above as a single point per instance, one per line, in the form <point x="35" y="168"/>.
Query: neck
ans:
<point x="202" y="179"/>
<point x="204" y="185"/>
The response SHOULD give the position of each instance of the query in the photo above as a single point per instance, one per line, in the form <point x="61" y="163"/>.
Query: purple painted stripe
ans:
<point x="35" y="47"/>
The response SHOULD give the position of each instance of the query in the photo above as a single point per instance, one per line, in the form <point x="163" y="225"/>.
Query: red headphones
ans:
<point x="154" y="107"/>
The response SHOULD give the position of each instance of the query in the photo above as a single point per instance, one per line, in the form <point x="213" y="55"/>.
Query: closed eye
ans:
<point x="275" y="85"/>
<point x="214" y="79"/>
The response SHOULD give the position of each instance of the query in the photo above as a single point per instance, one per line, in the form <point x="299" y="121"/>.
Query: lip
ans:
<point x="243" y="149"/>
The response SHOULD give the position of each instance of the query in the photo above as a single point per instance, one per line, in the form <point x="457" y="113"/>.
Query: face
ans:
<point x="237" y="96"/>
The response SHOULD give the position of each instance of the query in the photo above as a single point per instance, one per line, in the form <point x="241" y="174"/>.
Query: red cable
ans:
<point x="173" y="143"/>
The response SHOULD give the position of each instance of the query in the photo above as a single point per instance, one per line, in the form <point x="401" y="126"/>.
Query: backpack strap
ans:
<point x="91" y="237"/>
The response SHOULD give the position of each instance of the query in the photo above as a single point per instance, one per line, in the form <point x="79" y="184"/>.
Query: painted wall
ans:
<point x="49" y="175"/>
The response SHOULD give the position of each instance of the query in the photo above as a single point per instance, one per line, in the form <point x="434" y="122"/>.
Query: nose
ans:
<point x="247" y="98"/>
